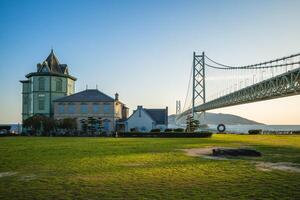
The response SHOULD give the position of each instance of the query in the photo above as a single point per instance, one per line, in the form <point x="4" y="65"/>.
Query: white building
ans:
<point x="144" y="120"/>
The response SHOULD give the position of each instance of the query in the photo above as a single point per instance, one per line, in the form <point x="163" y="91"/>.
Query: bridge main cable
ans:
<point x="254" y="66"/>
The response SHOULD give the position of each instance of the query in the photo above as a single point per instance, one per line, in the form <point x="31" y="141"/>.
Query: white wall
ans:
<point x="141" y="120"/>
<point x="161" y="127"/>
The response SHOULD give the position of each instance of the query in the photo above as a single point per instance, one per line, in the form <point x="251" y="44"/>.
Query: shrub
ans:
<point x="155" y="130"/>
<point x="202" y="134"/>
<point x="133" y="130"/>
<point x="179" y="130"/>
<point x="168" y="130"/>
<point x="255" y="131"/>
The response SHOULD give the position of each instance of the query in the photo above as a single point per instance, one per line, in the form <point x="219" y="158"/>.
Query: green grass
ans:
<point x="144" y="168"/>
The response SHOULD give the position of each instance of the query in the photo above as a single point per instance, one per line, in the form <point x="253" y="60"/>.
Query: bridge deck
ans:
<point x="286" y="84"/>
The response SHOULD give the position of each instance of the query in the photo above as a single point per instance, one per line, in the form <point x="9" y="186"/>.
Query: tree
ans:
<point x="69" y="123"/>
<point x="92" y="125"/>
<point x="40" y="124"/>
<point x="191" y="124"/>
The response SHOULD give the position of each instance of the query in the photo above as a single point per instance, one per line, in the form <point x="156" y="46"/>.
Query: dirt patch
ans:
<point x="196" y="152"/>
<point x="5" y="174"/>
<point x="283" y="166"/>
<point x="205" y="152"/>
<point x="29" y="177"/>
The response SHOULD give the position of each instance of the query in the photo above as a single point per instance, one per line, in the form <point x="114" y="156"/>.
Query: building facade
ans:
<point x="91" y="103"/>
<point x="50" y="82"/>
<point x="144" y="120"/>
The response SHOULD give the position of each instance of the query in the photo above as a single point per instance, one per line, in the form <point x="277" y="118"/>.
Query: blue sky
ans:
<point x="143" y="49"/>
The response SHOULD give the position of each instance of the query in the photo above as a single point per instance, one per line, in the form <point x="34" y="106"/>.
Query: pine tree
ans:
<point x="191" y="124"/>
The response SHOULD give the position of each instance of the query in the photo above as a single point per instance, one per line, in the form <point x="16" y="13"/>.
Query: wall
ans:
<point x="109" y="115"/>
<point x="50" y="93"/>
<point x="26" y="100"/>
<point x="141" y="120"/>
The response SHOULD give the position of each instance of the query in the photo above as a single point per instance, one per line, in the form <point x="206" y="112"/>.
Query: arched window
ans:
<point x="41" y="83"/>
<point x="58" y="85"/>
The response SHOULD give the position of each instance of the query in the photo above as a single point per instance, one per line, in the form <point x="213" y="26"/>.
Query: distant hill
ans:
<point x="217" y="118"/>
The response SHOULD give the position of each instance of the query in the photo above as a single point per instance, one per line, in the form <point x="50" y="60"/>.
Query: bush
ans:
<point x="179" y="130"/>
<point x="255" y="131"/>
<point x="133" y="130"/>
<point x="168" y="130"/>
<point x="155" y="130"/>
<point x="202" y="134"/>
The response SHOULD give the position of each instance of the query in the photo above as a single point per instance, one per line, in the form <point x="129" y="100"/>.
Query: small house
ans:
<point x="144" y="120"/>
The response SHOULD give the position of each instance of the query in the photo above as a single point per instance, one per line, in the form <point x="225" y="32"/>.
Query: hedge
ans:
<point x="155" y="130"/>
<point x="254" y="131"/>
<point x="204" y="134"/>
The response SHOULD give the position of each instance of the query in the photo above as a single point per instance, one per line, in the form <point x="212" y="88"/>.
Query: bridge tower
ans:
<point x="178" y="107"/>
<point x="198" y="80"/>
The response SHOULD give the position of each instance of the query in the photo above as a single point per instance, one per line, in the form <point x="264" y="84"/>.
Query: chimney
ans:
<point x="116" y="96"/>
<point x="140" y="107"/>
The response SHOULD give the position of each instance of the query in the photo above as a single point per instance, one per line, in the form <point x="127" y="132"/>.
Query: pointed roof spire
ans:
<point x="53" y="62"/>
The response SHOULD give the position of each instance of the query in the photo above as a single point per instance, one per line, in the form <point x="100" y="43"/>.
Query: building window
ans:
<point x="41" y="83"/>
<point x="61" y="109"/>
<point x="106" y="125"/>
<point x="59" y="85"/>
<point x="41" y="103"/>
<point x="84" y="108"/>
<point x="71" y="109"/>
<point x="96" y="108"/>
<point x="25" y="99"/>
<point x="106" y="108"/>
<point x="44" y="69"/>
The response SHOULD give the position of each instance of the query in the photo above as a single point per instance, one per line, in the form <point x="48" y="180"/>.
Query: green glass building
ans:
<point x="51" y="81"/>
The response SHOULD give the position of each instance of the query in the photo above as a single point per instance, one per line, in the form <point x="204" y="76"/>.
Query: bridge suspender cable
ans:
<point x="254" y="66"/>
<point x="188" y="89"/>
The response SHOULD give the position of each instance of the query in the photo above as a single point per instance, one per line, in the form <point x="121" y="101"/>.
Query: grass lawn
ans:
<point x="144" y="168"/>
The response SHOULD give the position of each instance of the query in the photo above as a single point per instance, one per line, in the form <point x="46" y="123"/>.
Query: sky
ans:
<point x="143" y="49"/>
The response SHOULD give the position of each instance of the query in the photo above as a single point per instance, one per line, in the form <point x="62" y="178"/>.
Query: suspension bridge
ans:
<point x="238" y="85"/>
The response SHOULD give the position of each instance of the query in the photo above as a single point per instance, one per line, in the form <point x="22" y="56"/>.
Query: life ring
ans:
<point x="221" y="128"/>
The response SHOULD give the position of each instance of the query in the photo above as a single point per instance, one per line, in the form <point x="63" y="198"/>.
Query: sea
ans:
<point x="244" y="128"/>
